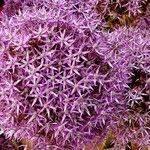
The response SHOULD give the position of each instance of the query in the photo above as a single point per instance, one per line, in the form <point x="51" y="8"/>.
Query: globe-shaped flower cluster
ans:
<point x="65" y="82"/>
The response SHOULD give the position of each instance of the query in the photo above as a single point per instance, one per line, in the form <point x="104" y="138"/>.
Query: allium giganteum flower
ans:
<point x="66" y="82"/>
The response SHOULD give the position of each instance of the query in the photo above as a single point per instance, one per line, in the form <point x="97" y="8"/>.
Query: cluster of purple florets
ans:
<point x="65" y="82"/>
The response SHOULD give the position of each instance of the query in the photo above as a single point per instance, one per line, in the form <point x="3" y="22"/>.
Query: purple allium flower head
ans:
<point x="133" y="119"/>
<point x="49" y="78"/>
<point x="64" y="82"/>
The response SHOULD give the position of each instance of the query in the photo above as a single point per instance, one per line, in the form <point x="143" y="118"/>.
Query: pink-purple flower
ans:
<point x="66" y="82"/>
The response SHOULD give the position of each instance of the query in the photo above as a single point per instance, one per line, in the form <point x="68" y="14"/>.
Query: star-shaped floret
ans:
<point x="40" y="33"/>
<point x="12" y="63"/>
<point x="64" y="40"/>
